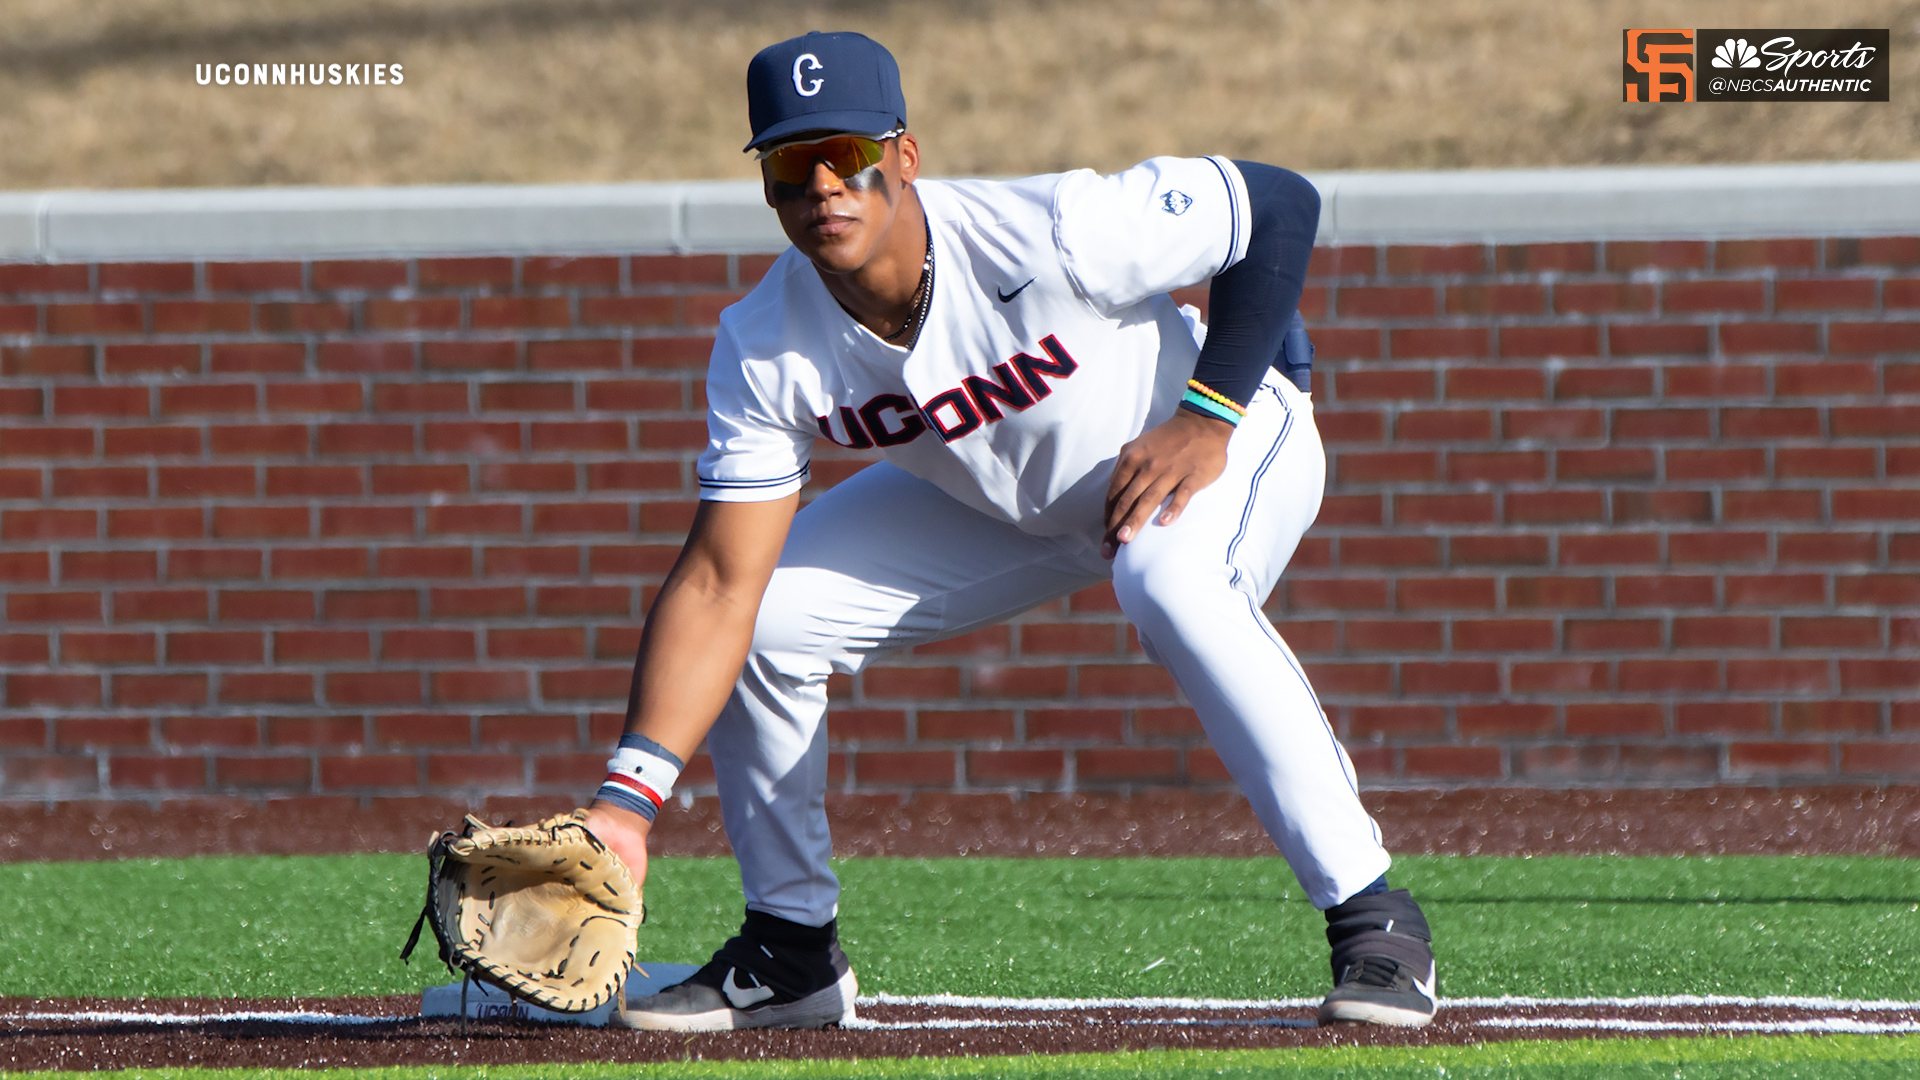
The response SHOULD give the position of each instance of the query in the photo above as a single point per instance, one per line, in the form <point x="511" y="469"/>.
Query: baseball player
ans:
<point x="1049" y="419"/>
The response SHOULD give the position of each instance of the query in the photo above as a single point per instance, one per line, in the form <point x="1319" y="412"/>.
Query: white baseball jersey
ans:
<point x="1049" y="343"/>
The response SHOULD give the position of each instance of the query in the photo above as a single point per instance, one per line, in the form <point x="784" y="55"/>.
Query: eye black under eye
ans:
<point x="867" y="179"/>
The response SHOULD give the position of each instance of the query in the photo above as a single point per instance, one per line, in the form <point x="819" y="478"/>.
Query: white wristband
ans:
<point x="651" y="771"/>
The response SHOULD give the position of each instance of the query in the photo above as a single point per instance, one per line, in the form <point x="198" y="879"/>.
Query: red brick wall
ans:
<point x="1620" y="513"/>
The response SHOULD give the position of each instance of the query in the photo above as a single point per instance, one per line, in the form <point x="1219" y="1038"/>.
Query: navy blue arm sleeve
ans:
<point x="1253" y="321"/>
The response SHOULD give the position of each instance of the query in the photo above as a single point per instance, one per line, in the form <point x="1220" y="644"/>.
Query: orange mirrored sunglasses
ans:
<point x="844" y="154"/>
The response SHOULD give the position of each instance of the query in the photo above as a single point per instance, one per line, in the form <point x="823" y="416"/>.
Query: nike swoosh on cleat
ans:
<point x="1426" y="988"/>
<point x="1007" y="297"/>
<point x="744" y="996"/>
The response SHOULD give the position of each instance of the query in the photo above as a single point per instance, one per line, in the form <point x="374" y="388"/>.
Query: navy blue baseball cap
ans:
<point x="823" y="82"/>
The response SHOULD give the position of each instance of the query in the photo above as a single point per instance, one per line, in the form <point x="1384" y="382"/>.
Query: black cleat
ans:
<point x="774" y="974"/>
<point x="1383" y="971"/>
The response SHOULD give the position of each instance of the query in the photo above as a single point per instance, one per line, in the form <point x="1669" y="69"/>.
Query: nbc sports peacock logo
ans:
<point x="1735" y="53"/>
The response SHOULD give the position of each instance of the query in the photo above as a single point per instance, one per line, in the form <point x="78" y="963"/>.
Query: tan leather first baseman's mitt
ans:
<point x="543" y="911"/>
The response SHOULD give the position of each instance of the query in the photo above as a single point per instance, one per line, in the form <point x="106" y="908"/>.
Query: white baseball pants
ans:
<point x="886" y="561"/>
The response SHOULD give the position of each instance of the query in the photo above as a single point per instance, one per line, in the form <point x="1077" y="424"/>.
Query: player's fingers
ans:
<point x="1126" y="505"/>
<point x="1116" y="489"/>
<point x="1140" y="511"/>
<point x="1118" y="531"/>
<point x="1120" y="493"/>
<point x="1127" y="470"/>
<point x="1182" y="495"/>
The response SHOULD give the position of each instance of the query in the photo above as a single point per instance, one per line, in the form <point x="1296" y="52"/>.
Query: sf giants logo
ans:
<point x="1656" y="62"/>
<point x="892" y="419"/>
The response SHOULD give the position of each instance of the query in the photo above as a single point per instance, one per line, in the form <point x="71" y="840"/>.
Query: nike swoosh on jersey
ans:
<point x="744" y="996"/>
<point x="1007" y="297"/>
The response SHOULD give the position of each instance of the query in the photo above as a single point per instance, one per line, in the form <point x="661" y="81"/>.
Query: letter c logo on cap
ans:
<point x="809" y="62"/>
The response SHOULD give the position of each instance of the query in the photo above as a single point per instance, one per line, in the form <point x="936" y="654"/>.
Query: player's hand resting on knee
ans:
<point x="625" y="834"/>
<point x="1167" y="464"/>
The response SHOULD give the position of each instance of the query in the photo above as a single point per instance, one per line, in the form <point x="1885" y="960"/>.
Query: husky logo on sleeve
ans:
<point x="1175" y="202"/>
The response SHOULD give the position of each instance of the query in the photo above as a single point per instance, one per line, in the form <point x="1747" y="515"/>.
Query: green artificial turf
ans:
<point x="1554" y="927"/>
<point x="1833" y="1057"/>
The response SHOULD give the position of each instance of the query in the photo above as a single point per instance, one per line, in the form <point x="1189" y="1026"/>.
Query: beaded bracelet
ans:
<point x="1202" y="398"/>
<point x="1195" y="386"/>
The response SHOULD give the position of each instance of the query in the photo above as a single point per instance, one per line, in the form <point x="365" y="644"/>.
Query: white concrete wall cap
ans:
<point x="1468" y="206"/>
<point x="21" y="216"/>
<point x="1531" y="205"/>
<point x="298" y="222"/>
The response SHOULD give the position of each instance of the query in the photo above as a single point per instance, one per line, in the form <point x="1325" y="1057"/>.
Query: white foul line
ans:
<point x="960" y="1001"/>
<point x="1671" y="1001"/>
<point x="199" y="1018"/>
<point x="1833" y="1024"/>
<point x="861" y="1023"/>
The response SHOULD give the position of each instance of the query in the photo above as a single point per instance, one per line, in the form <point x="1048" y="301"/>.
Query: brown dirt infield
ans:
<point x="1486" y="821"/>
<point x="61" y="1036"/>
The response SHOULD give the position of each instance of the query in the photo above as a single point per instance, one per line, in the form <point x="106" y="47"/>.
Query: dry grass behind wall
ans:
<point x="100" y="93"/>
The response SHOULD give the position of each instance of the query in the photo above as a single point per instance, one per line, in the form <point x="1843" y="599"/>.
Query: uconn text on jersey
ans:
<point x="893" y="419"/>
